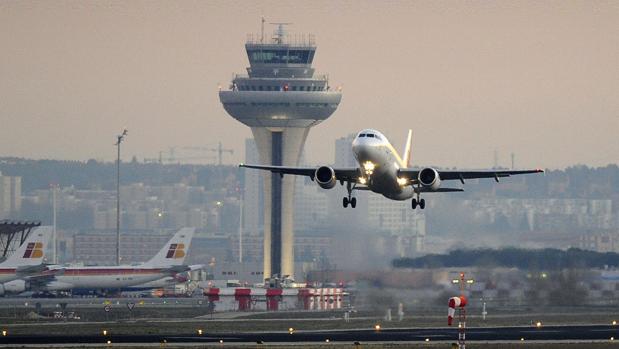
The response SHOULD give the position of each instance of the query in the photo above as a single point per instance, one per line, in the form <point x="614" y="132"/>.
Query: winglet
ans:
<point x="407" y="149"/>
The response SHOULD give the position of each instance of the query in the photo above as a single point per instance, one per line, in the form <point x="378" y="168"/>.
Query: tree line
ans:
<point x="542" y="259"/>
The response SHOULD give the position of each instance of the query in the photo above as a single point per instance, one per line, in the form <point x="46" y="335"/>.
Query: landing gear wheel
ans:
<point x="414" y="204"/>
<point x="345" y="202"/>
<point x="353" y="202"/>
<point x="422" y="203"/>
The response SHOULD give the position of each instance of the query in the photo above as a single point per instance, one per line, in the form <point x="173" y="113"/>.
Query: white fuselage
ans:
<point x="103" y="277"/>
<point x="379" y="163"/>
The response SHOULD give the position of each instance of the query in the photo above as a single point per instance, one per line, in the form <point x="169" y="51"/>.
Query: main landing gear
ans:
<point x="421" y="203"/>
<point x="349" y="200"/>
<point x="418" y="201"/>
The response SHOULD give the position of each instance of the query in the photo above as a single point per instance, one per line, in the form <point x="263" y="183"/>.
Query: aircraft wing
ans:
<point x="462" y="175"/>
<point x="341" y="174"/>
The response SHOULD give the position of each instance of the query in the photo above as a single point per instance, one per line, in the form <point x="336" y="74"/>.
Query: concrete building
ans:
<point x="344" y="156"/>
<point x="100" y="248"/>
<point x="10" y="195"/>
<point x="280" y="99"/>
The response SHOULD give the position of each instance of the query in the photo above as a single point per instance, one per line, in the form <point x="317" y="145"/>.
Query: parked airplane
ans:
<point x="27" y="258"/>
<point x="168" y="261"/>
<point x="383" y="171"/>
<point x="170" y="280"/>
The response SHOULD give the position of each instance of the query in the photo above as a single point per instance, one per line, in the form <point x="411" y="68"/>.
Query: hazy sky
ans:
<point x="540" y="79"/>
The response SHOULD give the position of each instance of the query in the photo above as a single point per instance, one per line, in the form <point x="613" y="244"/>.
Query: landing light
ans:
<point x="362" y="180"/>
<point x="291" y="330"/>
<point x="614" y="322"/>
<point x="402" y="181"/>
<point x="105" y="332"/>
<point x="427" y="339"/>
<point x="377" y="327"/>
<point x="369" y="166"/>
<point x="538" y="324"/>
<point x="199" y="332"/>
<point x="4" y="333"/>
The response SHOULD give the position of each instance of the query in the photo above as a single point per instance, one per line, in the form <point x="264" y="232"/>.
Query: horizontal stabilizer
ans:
<point x="176" y="269"/>
<point x="26" y="270"/>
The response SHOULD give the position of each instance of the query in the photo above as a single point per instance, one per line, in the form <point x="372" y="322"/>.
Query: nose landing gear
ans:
<point x="349" y="200"/>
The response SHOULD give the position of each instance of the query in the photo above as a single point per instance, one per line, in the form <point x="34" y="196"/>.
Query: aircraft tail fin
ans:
<point x="174" y="251"/>
<point x="407" y="149"/>
<point x="32" y="251"/>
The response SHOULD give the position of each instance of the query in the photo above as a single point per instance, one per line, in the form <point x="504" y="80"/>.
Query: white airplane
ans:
<point x="27" y="258"/>
<point x="166" y="281"/>
<point x="383" y="171"/>
<point x="168" y="261"/>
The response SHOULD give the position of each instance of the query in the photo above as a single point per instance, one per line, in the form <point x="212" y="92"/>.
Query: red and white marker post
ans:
<point x="460" y="304"/>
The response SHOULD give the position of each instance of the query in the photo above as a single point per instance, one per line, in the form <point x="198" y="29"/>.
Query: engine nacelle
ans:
<point x="325" y="177"/>
<point x="15" y="287"/>
<point x="429" y="178"/>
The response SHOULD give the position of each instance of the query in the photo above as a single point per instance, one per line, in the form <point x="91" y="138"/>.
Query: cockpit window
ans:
<point x="362" y="135"/>
<point x="371" y="135"/>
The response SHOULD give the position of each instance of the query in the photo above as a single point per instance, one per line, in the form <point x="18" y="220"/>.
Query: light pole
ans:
<point x="119" y="138"/>
<point x="241" y="229"/>
<point x="54" y="188"/>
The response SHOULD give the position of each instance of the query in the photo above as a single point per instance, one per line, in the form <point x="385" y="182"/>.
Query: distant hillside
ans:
<point x="545" y="259"/>
<point x="91" y="174"/>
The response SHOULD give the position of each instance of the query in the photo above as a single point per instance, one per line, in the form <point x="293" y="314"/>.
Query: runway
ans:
<point x="547" y="333"/>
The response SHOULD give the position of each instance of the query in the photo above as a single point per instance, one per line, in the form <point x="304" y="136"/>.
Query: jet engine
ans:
<point x="14" y="287"/>
<point x="429" y="178"/>
<point x="325" y="177"/>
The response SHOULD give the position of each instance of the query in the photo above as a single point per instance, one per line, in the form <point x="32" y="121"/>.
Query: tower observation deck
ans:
<point x="280" y="98"/>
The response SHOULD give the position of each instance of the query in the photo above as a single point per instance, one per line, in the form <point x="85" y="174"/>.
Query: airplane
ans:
<point x="170" y="280"/>
<point x="382" y="170"/>
<point x="168" y="261"/>
<point x="27" y="258"/>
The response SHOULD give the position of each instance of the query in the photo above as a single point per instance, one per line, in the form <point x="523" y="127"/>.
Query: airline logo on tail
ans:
<point x="34" y="250"/>
<point x="176" y="251"/>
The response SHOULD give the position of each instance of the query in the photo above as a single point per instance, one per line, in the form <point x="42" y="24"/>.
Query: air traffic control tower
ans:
<point x="280" y="98"/>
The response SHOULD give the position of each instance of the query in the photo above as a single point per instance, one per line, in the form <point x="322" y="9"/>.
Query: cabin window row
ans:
<point x="279" y="88"/>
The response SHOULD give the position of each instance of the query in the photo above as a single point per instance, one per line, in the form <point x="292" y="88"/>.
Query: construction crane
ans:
<point x="173" y="158"/>
<point x="219" y="149"/>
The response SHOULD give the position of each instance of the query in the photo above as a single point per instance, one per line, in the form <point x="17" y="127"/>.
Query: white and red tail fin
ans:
<point x="406" y="158"/>
<point x="32" y="251"/>
<point x="174" y="251"/>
